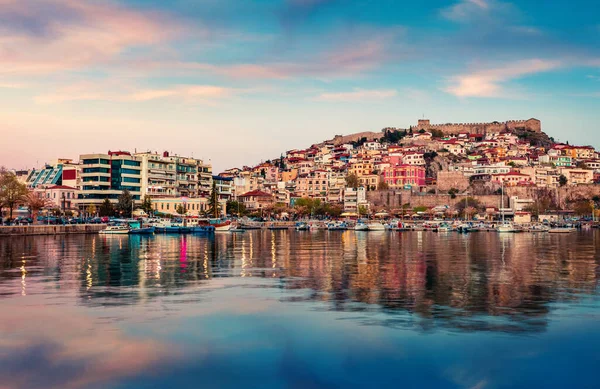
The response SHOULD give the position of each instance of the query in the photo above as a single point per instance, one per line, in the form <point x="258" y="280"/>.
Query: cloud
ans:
<point x="89" y="91"/>
<point x="358" y="95"/>
<point x="489" y="83"/>
<point x="59" y="35"/>
<point x="466" y="10"/>
<point x="356" y="54"/>
<point x="70" y="355"/>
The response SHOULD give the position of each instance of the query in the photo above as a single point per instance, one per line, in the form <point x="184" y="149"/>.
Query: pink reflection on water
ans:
<point x="183" y="253"/>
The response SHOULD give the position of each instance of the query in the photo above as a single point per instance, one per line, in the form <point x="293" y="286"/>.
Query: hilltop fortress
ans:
<point x="532" y="125"/>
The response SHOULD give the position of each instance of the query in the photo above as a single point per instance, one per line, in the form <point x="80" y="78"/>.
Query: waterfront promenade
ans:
<point x="51" y="229"/>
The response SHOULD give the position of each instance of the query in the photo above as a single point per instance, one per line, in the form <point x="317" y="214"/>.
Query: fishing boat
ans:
<point x="444" y="228"/>
<point x="562" y="230"/>
<point x="375" y="226"/>
<point x="139" y="228"/>
<point x="302" y="226"/>
<point x="508" y="227"/>
<point x="222" y="226"/>
<point x="337" y="226"/>
<point x="277" y="227"/>
<point x="120" y="229"/>
<point x="536" y="228"/>
<point x="465" y="227"/>
<point x="361" y="226"/>
<point x="203" y="230"/>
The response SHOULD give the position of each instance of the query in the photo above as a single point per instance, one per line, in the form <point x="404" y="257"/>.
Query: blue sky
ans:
<point x="236" y="82"/>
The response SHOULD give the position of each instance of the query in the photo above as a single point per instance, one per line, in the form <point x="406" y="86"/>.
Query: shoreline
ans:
<point x="51" y="229"/>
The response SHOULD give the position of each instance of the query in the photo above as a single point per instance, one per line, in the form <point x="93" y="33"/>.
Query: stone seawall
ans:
<point x="394" y="199"/>
<point x="51" y="229"/>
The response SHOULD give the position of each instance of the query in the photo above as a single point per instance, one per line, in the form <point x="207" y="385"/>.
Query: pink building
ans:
<point x="61" y="196"/>
<point x="400" y="175"/>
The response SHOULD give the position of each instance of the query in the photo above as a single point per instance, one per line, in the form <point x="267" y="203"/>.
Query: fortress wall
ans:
<point x="482" y="128"/>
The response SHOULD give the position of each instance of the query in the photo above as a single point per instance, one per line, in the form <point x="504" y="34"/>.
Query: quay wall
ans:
<point x="394" y="199"/>
<point x="51" y="229"/>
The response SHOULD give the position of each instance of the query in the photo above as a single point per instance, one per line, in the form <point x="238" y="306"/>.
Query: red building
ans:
<point x="400" y="175"/>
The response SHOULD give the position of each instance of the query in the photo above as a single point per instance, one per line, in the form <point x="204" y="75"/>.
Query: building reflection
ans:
<point x="481" y="281"/>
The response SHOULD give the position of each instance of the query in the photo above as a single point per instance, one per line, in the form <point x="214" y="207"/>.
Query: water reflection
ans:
<point x="421" y="280"/>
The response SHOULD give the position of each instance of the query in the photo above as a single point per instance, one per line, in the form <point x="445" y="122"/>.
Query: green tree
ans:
<point x="452" y="192"/>
<point x="562" y="180"/>
<point x="35" y="203"/>
<point x="147" y="205"/>
<point x="383" y="185"/>
<point x="352" y="181"/>
<point x="213" y="202"/>
<point x="362" y="210"/>
<point x="180" y="209"/>
<point x="125" y="204"/>
<point x="235" y="208"/>
<point x="91" y="209"/>
<point x="12" y="192"/>
<point x="307" y="206"/>
<point x="468" y="202"/>
<point x="106" y="208"/>
<point x="436" y="133"/>
<point x="583" y="208"/>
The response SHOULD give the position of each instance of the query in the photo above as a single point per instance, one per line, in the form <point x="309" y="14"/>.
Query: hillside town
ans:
<point x="510" y="167"/>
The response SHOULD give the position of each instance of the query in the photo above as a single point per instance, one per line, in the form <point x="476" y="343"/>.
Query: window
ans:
<point x="96" y="170"/>
<point x="131" y="163"/>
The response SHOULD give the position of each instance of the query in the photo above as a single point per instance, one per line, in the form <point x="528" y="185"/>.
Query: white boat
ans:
<point x="376" y="226"/>
<point x="537" y="228"/>
<point x="222" y="228"/>
<point x="337" y="226"/>
<point x="444" y="228"/>
<point x="508" y="227"/>
<point x="562" y="230"/>
<point x="116" y="230"/>
<point x="361" y="226"/>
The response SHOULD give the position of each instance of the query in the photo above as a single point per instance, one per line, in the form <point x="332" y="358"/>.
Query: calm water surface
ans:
<point x="288" y="309"/>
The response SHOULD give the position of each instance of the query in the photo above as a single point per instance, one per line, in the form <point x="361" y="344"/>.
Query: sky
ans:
<point x="235" y="82"/>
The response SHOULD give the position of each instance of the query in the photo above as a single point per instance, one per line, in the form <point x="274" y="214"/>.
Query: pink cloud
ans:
<point x="100" y="356"/>
<point x="357" y="55"/>
<point x="94" y="32"/>
<point x="113" y="91"/>
<point x="489" y="82"/>
<point x="465" y="9"/>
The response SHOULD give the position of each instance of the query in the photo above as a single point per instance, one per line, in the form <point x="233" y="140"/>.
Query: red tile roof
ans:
<point x="256" y="193"/>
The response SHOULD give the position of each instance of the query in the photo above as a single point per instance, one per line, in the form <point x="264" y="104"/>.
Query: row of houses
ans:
<point x="170" y="181"/>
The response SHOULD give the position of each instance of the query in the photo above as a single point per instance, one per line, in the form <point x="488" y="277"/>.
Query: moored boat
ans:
<point x="120" y="229"/>
<point x="376" y="226"/>
<point x="302" y="226"/>
<point x="203" y="230"/>
<point x="562" y="230"/>
<point x="361" y="226"/>
<point x="337" y="226"/>
<point x="508" y="227"/>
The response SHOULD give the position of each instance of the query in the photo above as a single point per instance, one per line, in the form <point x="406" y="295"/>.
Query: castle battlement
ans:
<point x="533" y="125"/>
